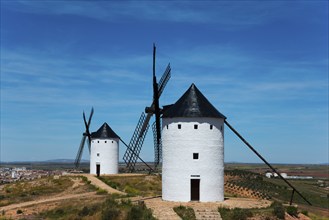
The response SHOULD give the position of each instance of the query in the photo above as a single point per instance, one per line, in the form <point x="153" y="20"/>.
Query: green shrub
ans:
<point x="292" y="210"/>
<point x="278" y="210"/>
<point x="126" y="202"/>
<point x="186" y="213"/>
<point x="140" y="212"/>
<point x="110" y="210"/>
<point x="224" y="213"/>
<point x="240" y="214"/>
<point x="101" y="191"/>
<point x="110" y="213"/>
<point x="234" y="214"/>
<point x="19" y="211"/>
<point x="131" y="191"/>
<point x="304" y="212"/>
<point x="84" y="212"/>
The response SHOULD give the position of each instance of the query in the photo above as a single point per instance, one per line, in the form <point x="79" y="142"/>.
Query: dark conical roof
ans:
<point x="192" y="104"/>
<point x="104" y="132"/>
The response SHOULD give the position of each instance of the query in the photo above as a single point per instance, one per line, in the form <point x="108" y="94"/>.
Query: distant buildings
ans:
<point x="9" y="175"/>
<point x="285" y="176"/>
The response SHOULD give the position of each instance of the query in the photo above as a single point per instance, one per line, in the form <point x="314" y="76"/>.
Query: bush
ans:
<point x="240" y="214"/>
<point x="101" y="191"/>
<point x="131" y="191"/>
<point x="126" y="202"/>
<point x="84" y="212"/>
<point x="140" y="212"/>
<point x="304" y="212"/>
<point x="224" y="213"/>
<point x="292" y="210"/>
<point x="278" y="210"/>
<point x="19" y="212"/>
<point x="110" y="210"/>
<point x="110" y="213"/>
<point x="186" y="213"/>
<point x="234" y="214"/>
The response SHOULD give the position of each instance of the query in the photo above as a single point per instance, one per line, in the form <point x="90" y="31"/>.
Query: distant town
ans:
<point x="9" y="175"/>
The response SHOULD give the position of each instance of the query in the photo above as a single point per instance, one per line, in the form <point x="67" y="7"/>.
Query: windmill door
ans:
<point x="98" y="169"/>
<point x="195" y="189"/>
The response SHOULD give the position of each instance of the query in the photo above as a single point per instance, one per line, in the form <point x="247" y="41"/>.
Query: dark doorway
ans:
<point x="98" y="169"/>
<point x="195" y="189"/>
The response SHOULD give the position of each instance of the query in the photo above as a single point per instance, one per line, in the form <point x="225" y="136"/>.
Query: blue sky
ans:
<point x="263" y="64"/>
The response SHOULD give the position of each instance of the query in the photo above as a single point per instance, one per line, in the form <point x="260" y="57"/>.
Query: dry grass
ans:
<point x="143" y="185"/>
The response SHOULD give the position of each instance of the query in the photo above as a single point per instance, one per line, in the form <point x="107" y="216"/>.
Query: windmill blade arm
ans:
<point x="263" y="159"/>
<point x="90" y="116"/>
<point x="80" y="150"/>
<point x="157" y="145"/>
<point x="133" y="152"/>
<point x="164" y="80"/>
<point x="145" y="124"/>
<point x="87" y="125"/>
<point x="136" y="141"/>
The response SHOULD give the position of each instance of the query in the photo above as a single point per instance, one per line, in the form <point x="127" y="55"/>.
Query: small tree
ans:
<point x="278" y="210"/>
<point x="292" y="210"/>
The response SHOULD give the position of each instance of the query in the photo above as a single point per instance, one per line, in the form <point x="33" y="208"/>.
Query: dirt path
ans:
<point x="53" y="199"/>
<point x="98" y="183"/>
<point x="64" y="196"/>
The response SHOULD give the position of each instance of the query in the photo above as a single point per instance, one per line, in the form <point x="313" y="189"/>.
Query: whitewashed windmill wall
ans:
<point x="104" y="152"/>
<point x="193" y="150"/>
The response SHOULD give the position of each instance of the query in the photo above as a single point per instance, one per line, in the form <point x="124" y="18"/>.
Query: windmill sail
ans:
<point x="157" y="146"/>
<point x="138" y="137"/>
<point x="80" y="150"/>
<point x="84" y="137"/>
<point x="135" y="145"/>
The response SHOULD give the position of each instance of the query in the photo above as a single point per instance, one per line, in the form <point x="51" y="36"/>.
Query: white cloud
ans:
<point x="229" y="14"/>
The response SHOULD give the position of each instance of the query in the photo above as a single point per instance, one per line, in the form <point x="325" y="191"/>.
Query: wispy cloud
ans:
<point x="229" y="14"/>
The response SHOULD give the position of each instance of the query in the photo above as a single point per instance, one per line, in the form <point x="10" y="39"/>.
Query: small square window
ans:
<point x="105" y="142"/>
<point x="195" y="126"/>
<point x="112" y="142"/>
<point x="97" y="154"/>
<point x="179" y="126"/>
<point x="195" y="156"/>
<point x="97" y="141"/>
<point x="211" y="126"/>
<point x="167" y="126"/>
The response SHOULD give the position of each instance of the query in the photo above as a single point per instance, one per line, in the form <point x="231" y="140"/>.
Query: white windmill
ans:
<point x="104" y="151"/>
<point x="103" y="148"/>
<point x="193" y="150"/>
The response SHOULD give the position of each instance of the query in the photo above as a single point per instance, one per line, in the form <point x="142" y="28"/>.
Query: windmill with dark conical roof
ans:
<point x="193" y="150"/>
<point x="104" y="151"/>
